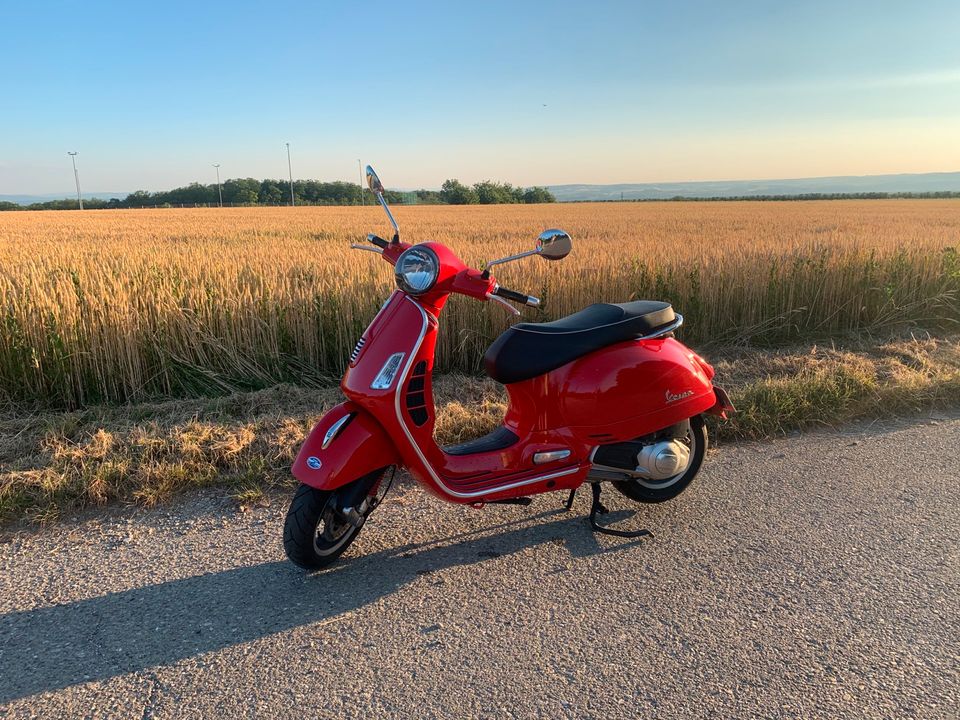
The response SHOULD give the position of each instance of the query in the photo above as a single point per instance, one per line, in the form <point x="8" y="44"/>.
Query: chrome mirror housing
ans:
<point x="554" y="244"/>
<point x="373" y="181"/>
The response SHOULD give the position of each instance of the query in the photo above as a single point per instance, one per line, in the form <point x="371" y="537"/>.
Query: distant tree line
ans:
<point x="249" y="191"/>
<point x="453" y="192"/>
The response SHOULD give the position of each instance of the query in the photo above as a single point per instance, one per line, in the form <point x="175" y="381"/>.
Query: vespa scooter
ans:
<point x="606" y="394"/>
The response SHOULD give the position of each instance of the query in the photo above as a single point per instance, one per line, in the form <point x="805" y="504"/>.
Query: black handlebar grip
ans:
<point x="378" y="241"/>
<point x="512" y="295"/>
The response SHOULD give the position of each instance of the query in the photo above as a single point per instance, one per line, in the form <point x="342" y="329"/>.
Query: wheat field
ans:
<point x="135" y="304"/>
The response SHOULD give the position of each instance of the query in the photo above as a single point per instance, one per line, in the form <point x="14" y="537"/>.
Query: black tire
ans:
<point x="650" y="492"/>
<point x="301" y="541"/>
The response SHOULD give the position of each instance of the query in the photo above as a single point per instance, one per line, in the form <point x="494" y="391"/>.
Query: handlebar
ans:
<point x="516" y="297"/>
<point x="378" y="241"/>
<point x="468" y="282"/>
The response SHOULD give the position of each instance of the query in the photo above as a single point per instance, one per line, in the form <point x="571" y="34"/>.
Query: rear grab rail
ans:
<point x="661" y="331"/>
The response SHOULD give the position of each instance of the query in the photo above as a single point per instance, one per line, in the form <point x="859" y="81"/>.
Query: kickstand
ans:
<point x="598" y="508"/>
<point x="573" y="494"/>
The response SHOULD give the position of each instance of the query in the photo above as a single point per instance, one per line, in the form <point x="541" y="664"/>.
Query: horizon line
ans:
<point x="100" y="194"/>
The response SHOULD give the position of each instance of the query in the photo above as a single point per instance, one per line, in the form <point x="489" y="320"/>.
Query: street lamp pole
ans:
<point x="219" y="191"/>
<point x="360" y="168"/>
<point x="290" y="170"/>
<point x="76" y="177"/>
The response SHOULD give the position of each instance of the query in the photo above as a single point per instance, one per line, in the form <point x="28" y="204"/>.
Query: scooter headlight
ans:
<point x="417" y="270"/>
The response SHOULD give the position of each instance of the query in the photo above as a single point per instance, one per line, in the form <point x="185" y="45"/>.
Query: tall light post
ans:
<point x="219" y="191"/>
<point x="290" y="170"/>
<point x="360" y="168"/>
<point x="76" y="176"/>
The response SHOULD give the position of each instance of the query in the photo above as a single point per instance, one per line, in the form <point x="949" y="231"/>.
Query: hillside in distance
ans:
<point x="901" y="183"/>
<point x="916" y="183"/>
<point x="28" y="199"/>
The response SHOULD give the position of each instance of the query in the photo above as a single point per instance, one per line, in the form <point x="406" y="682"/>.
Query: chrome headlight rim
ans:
<point x="401" y="276"/>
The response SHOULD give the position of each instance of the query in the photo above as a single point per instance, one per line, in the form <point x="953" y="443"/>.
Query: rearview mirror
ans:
<point x="373" y="182"/>
<point x="554" y="244"/>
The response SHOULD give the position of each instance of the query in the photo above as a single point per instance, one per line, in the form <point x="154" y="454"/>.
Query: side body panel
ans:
<point x="617" y="393"/>
<point x="631" y="389"/>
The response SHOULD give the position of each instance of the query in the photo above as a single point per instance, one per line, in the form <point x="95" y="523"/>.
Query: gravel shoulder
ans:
<point x="813" y="576"/>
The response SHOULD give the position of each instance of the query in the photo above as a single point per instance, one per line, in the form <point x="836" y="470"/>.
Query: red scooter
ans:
<point x="605" y="394"/>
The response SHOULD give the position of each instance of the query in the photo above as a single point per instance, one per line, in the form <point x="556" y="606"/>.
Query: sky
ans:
<point x="151" y="94"/>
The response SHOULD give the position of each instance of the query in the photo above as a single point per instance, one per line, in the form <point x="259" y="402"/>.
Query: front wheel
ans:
<point x="655" y="491"/>
<point x="315" y="533"/>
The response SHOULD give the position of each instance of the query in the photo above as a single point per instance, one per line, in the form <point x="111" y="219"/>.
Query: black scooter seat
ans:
<point x="526" y="350"/>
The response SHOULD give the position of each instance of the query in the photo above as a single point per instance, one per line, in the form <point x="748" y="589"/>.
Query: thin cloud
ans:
<point x="932" y="78"/>
<point x="949" y="76"/>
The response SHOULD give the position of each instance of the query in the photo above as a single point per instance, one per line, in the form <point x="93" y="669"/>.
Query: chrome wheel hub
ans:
<point x="663" y="460"/>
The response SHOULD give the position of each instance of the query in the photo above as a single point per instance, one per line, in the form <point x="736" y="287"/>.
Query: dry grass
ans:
<point x="56" y="462"/>
<point x="130" y="305"/>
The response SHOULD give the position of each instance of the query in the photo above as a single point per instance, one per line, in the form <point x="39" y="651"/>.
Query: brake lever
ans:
<point x="510" y="308"/>
<point x="377" y="250"/>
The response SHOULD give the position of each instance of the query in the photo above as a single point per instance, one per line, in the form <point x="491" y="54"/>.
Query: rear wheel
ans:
<point x="315" y="532"/>
<point x="654" y="491"/>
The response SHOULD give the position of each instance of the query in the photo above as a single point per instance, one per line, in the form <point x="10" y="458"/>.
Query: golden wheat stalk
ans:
<point x="121" y="305"/>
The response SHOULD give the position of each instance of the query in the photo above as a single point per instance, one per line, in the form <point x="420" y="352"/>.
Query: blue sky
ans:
<point x="150" y="94"/>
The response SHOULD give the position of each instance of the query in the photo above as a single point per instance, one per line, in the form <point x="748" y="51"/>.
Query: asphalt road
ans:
<point x="816" y="576"/>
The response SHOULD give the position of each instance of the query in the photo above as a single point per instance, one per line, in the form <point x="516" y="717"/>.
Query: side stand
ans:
<point x="597" y="508"/>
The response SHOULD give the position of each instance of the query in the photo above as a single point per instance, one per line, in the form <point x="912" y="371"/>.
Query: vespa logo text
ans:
<point x="673" y="398"/>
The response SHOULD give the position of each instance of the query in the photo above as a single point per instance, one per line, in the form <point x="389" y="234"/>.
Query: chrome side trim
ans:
<point x="416" y="448"/>
<point x="334" y="430"/>
<point x="541" y="458"/>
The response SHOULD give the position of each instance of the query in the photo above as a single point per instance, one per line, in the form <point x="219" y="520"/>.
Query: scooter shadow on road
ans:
<point x="103" y="637"/>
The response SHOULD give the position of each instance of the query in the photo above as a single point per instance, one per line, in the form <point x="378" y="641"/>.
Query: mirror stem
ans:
<point x="386" y="209"/>
<point x="509" y="258"/>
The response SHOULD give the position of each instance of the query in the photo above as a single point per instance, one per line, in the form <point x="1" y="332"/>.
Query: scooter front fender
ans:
<point x="356" y="444"/>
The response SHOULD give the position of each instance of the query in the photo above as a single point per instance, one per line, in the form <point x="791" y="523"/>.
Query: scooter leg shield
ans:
<point x="346" y="444"/>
